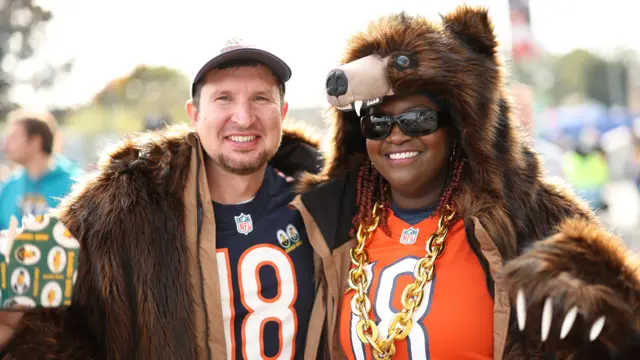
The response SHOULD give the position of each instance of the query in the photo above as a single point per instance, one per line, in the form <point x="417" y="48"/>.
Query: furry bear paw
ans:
<point x="564" y="310"/>
<point x="626" y="348"/>
<point x="547" y="319"/>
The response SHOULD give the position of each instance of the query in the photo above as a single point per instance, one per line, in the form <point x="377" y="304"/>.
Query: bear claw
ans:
<point x="567" y="323"/>
<point x="547" y="317"/>
<point x="521" y="308"/>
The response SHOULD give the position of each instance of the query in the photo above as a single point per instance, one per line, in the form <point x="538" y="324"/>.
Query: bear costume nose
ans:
<point x="337" y="83"/>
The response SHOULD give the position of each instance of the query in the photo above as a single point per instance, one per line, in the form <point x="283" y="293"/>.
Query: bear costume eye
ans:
<point x="403" y="62"/>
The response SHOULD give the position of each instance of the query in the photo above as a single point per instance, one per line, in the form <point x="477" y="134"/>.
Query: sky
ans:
<point x="107" y="39"/>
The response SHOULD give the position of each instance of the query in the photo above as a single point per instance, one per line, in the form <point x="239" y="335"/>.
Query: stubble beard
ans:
<point x="242" y="167"/>
<point x="246" y="167"/>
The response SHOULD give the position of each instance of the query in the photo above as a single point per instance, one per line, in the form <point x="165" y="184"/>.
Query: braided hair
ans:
<point x="371" y="187"/>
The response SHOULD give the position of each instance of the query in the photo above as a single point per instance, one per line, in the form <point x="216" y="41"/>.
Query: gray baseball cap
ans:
<point x="236" y="49"/>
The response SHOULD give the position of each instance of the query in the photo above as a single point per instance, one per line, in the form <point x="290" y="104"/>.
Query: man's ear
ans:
<point x="192" y="111"/>
<point x="285" y="110"/>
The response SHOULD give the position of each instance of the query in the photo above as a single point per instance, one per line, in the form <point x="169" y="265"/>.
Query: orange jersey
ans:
<point x="455" y="319"/>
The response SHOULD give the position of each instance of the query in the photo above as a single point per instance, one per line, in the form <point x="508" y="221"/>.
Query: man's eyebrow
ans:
<point x="216" y="93"/>
<point x="266" y="92"/>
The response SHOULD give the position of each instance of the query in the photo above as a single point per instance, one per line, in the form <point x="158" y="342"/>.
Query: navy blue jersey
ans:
<point x="265" y="264"/>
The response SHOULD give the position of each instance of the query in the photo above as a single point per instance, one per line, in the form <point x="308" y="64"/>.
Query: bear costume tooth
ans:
<point x="357" y="106"/>
<point x="347" y="107"/>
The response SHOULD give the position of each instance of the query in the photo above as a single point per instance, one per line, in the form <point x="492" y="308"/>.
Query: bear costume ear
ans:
<point x="472" y="26"/>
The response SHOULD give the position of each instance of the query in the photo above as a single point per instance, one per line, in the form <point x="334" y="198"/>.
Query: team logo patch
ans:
<point x="283" y="239"/>
<point x="293" y="233"/>
<point x="244" y="224"/>
<point x="409" y="236"/>
<point x="35" y="223"/>
<point x="20" y="281"/>
<point x="57" y="259"/>
<point x="51" y="294"/>
<point x="289" y="239"/>
<point x="63" y="237"/>
<point x="27" y="254"/>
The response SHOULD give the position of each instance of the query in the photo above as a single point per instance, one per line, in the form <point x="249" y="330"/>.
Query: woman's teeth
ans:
<point x="404" y="155"/>
<point x="241" y="139"/>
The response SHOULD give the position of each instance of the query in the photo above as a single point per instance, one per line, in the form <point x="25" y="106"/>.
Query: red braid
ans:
<point x="371" y="187"/>
<point x="456" y="164"/>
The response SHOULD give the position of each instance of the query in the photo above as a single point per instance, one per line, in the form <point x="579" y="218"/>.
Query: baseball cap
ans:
<point x="237" y="49"/>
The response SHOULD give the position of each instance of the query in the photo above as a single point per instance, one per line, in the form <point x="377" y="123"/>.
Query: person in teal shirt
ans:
<point x="43" y="178"/>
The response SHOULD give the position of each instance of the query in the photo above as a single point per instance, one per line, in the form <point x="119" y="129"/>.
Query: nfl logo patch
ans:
<point x="409" y="236"/>
<point x="244" y="225"/>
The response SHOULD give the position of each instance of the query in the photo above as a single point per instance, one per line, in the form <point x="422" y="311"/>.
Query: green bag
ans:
<point x="39" y="264"/>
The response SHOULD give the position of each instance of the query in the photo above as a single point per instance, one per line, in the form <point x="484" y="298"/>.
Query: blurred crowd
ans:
<point x="593" y="159"/>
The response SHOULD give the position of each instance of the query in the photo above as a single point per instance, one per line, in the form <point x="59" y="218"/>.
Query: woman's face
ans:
<point x="413" y="166"/>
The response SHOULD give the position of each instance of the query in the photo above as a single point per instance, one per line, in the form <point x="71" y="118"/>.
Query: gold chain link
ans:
<point x="402" y="322"/>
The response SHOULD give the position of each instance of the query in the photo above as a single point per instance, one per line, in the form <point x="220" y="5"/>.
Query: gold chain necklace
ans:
<point x="402" y="322"/>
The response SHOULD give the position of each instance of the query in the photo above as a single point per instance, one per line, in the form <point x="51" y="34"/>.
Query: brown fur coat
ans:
<point x="555" y="243"/>
<point x="134" y="298"/>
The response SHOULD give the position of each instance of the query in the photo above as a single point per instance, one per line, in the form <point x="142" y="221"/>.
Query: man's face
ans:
<point x="16" y="144"/>
<point x="239" y="119"/>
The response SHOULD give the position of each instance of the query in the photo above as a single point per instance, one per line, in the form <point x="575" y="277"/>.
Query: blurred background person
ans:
<point x="42" y="176"/>
<point x="585" y="168"/>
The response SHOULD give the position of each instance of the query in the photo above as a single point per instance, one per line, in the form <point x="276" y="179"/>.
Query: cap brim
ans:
<point x="277" y="65"/>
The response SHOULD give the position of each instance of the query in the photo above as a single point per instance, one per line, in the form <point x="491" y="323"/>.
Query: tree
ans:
<point x="21" y="32"/>
<point x="127" y="103"/>
<point x="583" y="72"/>
<point x="569" y="75"/>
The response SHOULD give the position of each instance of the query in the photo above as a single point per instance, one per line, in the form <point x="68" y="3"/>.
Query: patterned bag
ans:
<point x="38" y="263"/>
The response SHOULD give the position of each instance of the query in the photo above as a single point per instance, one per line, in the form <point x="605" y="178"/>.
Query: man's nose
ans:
<point x="244" y="115"/>
<point x="337" y="83"/>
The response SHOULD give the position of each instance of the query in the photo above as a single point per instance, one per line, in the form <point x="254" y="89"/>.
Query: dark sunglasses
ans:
<point x="413" y="123"/>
